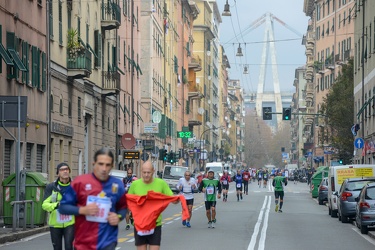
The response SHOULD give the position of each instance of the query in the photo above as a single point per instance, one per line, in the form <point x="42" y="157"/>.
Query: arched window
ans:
<point x="61" y="106"/>
<point x="51" y="103"/>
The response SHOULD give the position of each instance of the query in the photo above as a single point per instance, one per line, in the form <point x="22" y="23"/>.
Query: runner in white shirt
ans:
<point x="186" y="185"/>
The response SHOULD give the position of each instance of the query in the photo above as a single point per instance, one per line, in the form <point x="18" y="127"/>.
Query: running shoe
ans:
<point x="214" y="221"/>
<point x="241" y="196"/>
<point x="127" y="227"/>
<point x="280" y="211"/>
<point x="184" y="222"/>
<point x="213" y="224"/>
<point x="277" y="208"/>
<point x="188" y="224"/>
<point x="209" y="224"/>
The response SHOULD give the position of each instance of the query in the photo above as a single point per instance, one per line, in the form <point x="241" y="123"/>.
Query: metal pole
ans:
<point x="363" y="75"/>
<point x="14" y="222"/>
<point x="17" y="160"/>
<point x="32" y="214"/>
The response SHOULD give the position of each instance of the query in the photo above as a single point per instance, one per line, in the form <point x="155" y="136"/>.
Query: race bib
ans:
<point x="127" y="186"/>
<point x="246" y="176"/>
<point x="104" y="204"/>
<point x="63" y="218"/>
<point x="225" y="182"/>
<point x="210" y="190"/>
<point x="238" y="185"/>
<point x="260" y="176"/>
<point x="146" y="232"/>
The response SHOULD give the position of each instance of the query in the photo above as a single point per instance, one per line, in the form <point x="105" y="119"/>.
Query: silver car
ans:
<point x="365" y="208"/>
<point x="350" y="190"/>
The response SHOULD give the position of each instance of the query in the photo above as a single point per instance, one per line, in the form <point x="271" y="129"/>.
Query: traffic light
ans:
<point x="171" y="158"/>
<point x="341" y="162"/>
<point x="286" y="114"/>
<point x="162" y="153"/>
<point x="266" y="113"/>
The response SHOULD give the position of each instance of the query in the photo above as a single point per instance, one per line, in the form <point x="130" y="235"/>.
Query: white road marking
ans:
<point x="178" y="218"/>
<point x="365" y="236"/>
<point x="24" y="239"/>
<point x="131" y="240"/>
<point x="263" y="235"/>
<point x="257" y="225"/>
<point x="169" y="222"/>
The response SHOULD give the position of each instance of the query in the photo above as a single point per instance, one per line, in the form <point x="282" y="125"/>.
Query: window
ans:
<point x="96" y="114"/>
<point x="79" y="108"/>
<point x="70" y="109"/>
<point x="51" y="19"/>
<point x="61" y="151"/>
<point x="51" y="103"/>
<point x="109" y="124"/>
<point x="28" y="157"/>
<point x="61" y="109"/>
<point x="39" y="158"/>
<point x="369" y="105"/>
<point x="60" y="23"/>
<point x="98" y="47"/>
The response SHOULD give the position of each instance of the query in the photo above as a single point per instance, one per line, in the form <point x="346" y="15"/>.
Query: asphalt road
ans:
<point x="249" y="224"/>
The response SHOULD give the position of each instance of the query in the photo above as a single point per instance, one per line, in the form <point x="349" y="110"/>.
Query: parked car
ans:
<point x="349" y="190"/>
<point x="323" y="191"/>
<point x="365" y="208"/>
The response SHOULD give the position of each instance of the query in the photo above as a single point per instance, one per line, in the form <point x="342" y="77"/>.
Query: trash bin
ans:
<point x="34" y="186"/>
<point x="316" y="179"/>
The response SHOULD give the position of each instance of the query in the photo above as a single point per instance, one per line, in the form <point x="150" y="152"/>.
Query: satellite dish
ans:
<point x="200" y="111"/>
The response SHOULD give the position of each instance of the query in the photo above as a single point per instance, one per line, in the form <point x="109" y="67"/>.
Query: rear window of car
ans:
<point x="370" y="193"/>
<point x="356" y="185"/>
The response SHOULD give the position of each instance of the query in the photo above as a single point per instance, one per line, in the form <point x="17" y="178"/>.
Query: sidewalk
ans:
<point x="6" y="234"/>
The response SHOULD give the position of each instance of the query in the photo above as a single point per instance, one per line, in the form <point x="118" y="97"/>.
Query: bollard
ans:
<point x="14" y="205"/>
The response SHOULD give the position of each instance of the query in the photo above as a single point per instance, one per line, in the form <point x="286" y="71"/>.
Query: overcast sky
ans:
<point x="290" y="54"/>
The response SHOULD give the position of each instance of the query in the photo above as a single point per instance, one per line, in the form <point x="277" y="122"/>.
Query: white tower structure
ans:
<point x="275" y="96"/>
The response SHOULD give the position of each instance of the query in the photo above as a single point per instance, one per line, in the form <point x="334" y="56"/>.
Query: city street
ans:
<point x="249" y="224"/>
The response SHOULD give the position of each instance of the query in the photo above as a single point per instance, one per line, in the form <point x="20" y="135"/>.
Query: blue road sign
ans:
<point x="359" y="143"/>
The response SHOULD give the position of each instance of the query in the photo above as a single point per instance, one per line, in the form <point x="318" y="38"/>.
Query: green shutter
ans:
<point x="79" y="26"/>
<point x="60" y="23"/>
<point x="98" y="47"/>
<point x="38" y="72"/>
<point x="35" y="72"/>
<point x="114" y="59"/>
<point x="187" y="107"/>
<point x="1" y="40"/>
<point x="50" y="20"/>
<point x="162" y="126"/>
<point x="25" y="46"/>
<point x="11" y="70"/>
<point x="44" y="72"/>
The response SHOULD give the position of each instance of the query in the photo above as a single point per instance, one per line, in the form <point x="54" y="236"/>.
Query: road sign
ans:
<point x="9" y="104"/>
<point x="131" y="154"/>
<point x="359" y="143"/>
<point x="151" y="128"/>
<point x="128" y="141"/>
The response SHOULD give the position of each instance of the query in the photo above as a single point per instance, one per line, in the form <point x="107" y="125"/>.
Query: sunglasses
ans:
<point x="63" y="169"/>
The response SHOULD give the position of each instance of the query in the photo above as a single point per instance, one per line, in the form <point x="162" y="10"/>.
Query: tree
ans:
<point x="338" y="106"/>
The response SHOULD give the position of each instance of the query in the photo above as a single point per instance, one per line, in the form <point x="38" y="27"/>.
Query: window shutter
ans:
<point x="60" y="23"/>
<point x="35" y="72"/>
<point x="38" y="71"/>
<point x="1" y="39"/>
<point x="114" y="58"/>
<point x="98" y="47"/>
<point x="11" y="70"/>
<point x="44" y="72"/>
<point x="50" y="20"/>
<point x="25" y="51"/>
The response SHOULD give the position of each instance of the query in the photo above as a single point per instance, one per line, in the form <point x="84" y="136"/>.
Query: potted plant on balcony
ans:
<point x="74" y="48"/>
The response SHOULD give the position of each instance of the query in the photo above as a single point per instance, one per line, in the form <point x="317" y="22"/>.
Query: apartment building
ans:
<point x="23" y="65"/>
<point x="329" y="44"/>
<point x="85" y="80"/>
<point x="364" y="81"/>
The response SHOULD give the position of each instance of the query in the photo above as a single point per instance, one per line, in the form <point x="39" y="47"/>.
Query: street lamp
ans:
<point x="200" y="143"/>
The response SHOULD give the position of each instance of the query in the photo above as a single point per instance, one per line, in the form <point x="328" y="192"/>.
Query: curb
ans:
<point x="14" y="236"/>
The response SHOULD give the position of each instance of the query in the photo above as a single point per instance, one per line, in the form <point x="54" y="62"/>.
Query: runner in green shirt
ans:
<point x="279" y="190"/>
<point x="209" y="186"/>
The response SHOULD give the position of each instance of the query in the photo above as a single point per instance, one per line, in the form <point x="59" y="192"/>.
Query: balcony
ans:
<point x="195" y="91"/>
<point x="195" y="63"/>
<point x="79" y="63"/>
<point x="111" y="16"/>
<point x="111" y="82"/>
<point x="195" y="119"/>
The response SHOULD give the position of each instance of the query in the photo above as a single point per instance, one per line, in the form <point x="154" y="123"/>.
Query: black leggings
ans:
<point x="246" y="186"/>
<point x="57" y="235"/>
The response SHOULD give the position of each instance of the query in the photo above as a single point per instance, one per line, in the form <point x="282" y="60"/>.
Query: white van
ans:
<point x="217" y="167"/>
<point x="337" y="175"/>
<point x="171" y="175"/>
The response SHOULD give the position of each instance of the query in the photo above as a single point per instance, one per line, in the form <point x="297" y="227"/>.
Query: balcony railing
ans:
<point x="111" y="16"/>
<point x="195" y="63"/>
<point x="79" y="64"/>
<point x="110" y="80"/>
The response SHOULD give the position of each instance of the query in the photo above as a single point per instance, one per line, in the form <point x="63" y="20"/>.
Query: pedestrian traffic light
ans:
<point x="171" y="157"/>
<point x="267" y="113"/>
<point x="340" y="161"/>
<point x="286" y="114"/>
<point x="162" y="153"/>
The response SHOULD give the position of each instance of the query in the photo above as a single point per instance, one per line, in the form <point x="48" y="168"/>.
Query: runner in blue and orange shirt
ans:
<point x="98" y="202"/>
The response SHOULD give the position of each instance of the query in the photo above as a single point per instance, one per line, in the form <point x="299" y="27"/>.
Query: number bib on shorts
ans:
<point x="104" y="205"/>
<point x="210" y="190"/>
<point x="62" y="218"/>
<point x="238" y="185"/>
